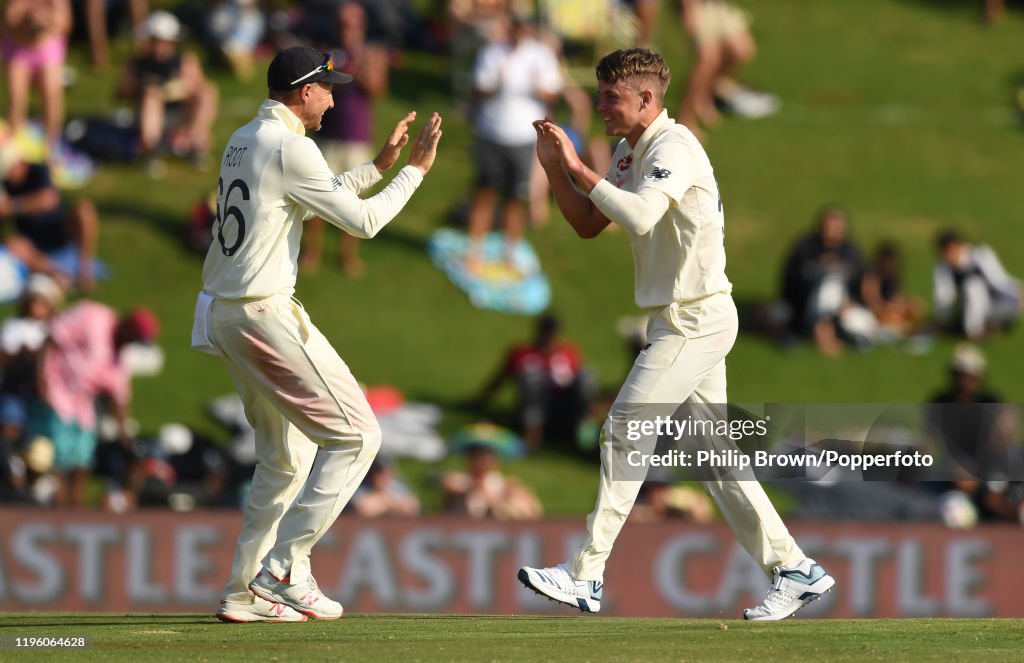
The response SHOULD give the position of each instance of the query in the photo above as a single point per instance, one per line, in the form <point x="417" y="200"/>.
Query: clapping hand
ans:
<point x="554" y="147"/>
<point x="395" y="142"/>
<point x="425" y="148"/>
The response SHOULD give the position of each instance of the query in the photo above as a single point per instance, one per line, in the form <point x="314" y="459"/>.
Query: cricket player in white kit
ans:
<point x="661" y="191"/>
<point x="315" y="433"/>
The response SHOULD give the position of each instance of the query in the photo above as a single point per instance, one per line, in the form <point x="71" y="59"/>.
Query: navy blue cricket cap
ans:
<point x="299" y="65"/>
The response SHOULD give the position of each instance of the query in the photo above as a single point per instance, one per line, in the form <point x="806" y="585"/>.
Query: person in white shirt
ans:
<point x="514" y="81"/>
<point x="662" y="192"/>
<point x="316" y="435"/>
<point x="973" y="293"/>
<point x="28" y="330"/>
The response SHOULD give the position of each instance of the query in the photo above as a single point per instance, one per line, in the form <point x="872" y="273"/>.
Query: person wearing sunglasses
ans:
<point x="316" y="435"/>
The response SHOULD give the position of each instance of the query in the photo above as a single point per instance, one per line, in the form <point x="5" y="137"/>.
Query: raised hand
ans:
<point x="424" y="148"/>
<point x="549" y="153"/>
<point x="554" y="147"/>
<point x="395" y="142"/>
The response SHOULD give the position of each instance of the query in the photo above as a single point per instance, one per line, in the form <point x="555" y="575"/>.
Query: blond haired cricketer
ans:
<point x="661" y="191"/>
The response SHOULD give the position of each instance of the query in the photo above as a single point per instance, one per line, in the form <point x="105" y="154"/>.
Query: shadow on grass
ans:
<point x="107" y="619"/>
<point x="170" y="224"/>
<point x="435" y="617"/>
<point x="403" y="239"/>
<point x="961" y="7"/>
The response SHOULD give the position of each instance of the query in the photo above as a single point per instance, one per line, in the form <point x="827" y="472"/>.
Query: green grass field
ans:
<point x="900" y="110"/>
<point x="429" y="638"/>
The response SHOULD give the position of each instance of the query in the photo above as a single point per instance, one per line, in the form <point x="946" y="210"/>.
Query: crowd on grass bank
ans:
<point x="834" y="297"/>
<point x="64" y="356"/>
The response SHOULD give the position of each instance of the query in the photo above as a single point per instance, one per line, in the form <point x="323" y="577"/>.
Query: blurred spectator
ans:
<point x="660" y="501"/>
<point x="198" y="232"/>
<point x="820" y="280"/>
<point x="647" y="19"/>
<point x="502" y="440"/>
<point x="236" y="27"/>
<point x="12" y="468"/>
<point x="96" y="18"/>
<point x="484" y="492"/>
<point x="25" y="471"/>
<point x="994" y="10"/>
<point x="204" y="469"/>
<point x="515" y="80"/>
<point x="176" y="469"/>
<point x="980" y="436"/>
<point x="33" y="36"/>
<point x="389" y="22"/>
<point x="475" y="23"/>
<point x="346" y="131"/>
<point x="66" y="234"/>
<point x="384" y="494"/>
<point x="17" y="258"/>
<point x="973" y="294"/>
<point x="721" y="39"/>
<point x="554" y="387"/>
<point x="80" y="363"/>
<point x="21" y="339"/>
<point x="881" y="289"/>
<point x="151" y="481"/>
<point x="170" y="92"/>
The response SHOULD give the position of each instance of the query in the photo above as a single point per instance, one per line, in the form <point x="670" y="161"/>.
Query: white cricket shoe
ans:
<point x="304" y="597"/>
<point x="259" y="610"/>
<point x="556" y="583"/>
<point x="793" y="587"/>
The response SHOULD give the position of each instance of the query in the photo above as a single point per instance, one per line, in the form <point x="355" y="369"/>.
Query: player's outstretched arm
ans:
<point x="560" y="161"/>
<point x="311" y="184"/>
<point x="424" y="148"/>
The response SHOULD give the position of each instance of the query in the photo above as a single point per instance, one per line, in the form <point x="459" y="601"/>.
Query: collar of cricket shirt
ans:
<point x="279" y="111"/>
<point x="649" y="133"/>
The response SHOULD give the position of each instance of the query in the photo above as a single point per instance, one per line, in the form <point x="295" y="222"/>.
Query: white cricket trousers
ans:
<point x="315" y="433"/>
<point x="683" y="363"/>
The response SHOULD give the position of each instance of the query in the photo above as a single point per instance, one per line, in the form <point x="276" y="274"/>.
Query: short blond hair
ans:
<point x="636" y="65"/>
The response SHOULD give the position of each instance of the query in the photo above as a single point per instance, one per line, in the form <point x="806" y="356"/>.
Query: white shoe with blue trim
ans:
<point x="793" y="587"/>
<point x="556" y="583"/>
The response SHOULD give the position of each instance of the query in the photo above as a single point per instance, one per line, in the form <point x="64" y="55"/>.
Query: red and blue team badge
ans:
<point x="622" y="166"/>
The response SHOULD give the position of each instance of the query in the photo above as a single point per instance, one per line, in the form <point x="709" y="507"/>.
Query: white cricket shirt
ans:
<point x="272" y="178"/>
<point x="664" y="195"/>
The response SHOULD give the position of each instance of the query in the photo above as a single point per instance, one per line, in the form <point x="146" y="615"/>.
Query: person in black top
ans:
<point x="820" y="278"/>
<point x="165" y="82"/>
<point x="881" y="290"/>
<point x="978" y="435"/>
<point x="67" y="234"/>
